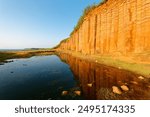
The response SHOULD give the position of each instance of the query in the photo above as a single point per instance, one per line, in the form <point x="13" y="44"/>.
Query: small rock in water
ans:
<point x="116" y="90"/>
<point x="134" y="82"/>
<point x="90" y="85"/>
<point x="1" y="63"/>
<point x="141" y="77"/>
<point x="149" y="76"/>
<point x="11" y="72"/>
<point x="24" y="64"/>
<point x="148" y="86"/>
<point x="9" y="61"/>
<point x="119" y="67"/>
<point x="77" y="93"/>
<point x="64" y="93"/>
<point x="124" y="88"/>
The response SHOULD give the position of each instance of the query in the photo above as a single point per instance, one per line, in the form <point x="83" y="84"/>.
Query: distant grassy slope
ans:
<point x="24" y="54"/>
<point x="6" y="55"/>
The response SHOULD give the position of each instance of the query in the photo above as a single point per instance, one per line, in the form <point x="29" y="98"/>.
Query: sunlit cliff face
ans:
<point x="118" y="26"/>
<point x="97" y="81"/>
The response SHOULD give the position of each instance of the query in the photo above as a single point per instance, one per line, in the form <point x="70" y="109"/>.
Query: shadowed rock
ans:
<point x="64" y="93"/>
<point x="90" y="85"/>
<point x="77" y="93"/>
<point x="1" y="63"/>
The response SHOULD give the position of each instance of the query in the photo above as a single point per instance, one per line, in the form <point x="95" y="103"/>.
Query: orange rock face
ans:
<point x="118" y="26"/>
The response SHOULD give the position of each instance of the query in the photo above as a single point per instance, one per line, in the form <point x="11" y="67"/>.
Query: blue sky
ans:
<point x="38" y="23"/>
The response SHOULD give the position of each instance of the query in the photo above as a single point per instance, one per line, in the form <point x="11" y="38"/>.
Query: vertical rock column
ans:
<point x="77" y="40"/>
<point x="142" y="26"/>
<point x="103" y="30"/>
<point x="80" y="39"/>
<point x="98" y="35"/>
<point x="121" y="29"/>
<point x="93" y="33"/>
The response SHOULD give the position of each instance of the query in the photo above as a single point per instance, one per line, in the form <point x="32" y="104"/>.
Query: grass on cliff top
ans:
<point x="64" y="40"/>
<point x="85" y="13"/>
<point x="81" y="19"/>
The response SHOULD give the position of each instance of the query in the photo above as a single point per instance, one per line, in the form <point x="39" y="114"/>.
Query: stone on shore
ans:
<point x="116" y="90"/>
<point x="124" y="88"/>
<point x="77" y="93"/>
<point x="134" y="82"/>
<point x="90" y="85"/>
<point x="141" y="77"/>
<point x="64" y="93"/>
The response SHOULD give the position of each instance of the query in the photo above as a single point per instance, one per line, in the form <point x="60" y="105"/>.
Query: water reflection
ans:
<point x="39" y="77"/>
<point x="97" y="81"/>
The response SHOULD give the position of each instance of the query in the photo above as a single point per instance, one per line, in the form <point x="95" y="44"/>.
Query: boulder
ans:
<point x="148" y="86"/>
<point x="116" y="90"/>
<point x="141" y="77"/>
<point x="77" y="93"/>
<point x="64" y="93"/>
<point x="119" y="67"/>
<point x="90" y="85"/>
<point x="124" y="88"/>
<point x="134" y="82"/>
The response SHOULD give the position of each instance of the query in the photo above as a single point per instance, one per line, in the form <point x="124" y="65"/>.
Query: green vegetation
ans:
<point x="139" y="68"/>
<point x="86" y="11"/>
<point x="6" y="55"/>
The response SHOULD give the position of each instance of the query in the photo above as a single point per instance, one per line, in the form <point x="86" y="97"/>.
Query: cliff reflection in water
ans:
<point x="97" y="80"/>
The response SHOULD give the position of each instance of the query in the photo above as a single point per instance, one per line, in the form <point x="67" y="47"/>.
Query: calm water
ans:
<point x="3" y="50"/>
<point x="46" y="77"/>
<point x="42" y="77"/>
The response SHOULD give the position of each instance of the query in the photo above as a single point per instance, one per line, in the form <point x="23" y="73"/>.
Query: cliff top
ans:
<point x="86" y="11"/>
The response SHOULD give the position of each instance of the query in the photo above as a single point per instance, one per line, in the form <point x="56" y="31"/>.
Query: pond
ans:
<point x="62" y="76"/>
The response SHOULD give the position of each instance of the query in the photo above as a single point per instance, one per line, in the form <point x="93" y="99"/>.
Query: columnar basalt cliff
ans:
<point x="117" y="26"/>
